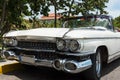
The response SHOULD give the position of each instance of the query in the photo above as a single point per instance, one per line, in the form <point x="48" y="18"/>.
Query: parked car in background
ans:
<point x="82" y="44"/>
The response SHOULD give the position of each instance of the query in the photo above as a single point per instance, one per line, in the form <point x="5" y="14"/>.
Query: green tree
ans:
<point x="58" y="4"/>
<point x="85" y="7"/>
<point x="12" y="13"/>
<point x="38" y="7"/>
<point x="117" y="22"/>
<point x="74" y="7"/>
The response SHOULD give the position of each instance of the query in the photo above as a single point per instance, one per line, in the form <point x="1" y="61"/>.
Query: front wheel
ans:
<point x="94" y="73"/>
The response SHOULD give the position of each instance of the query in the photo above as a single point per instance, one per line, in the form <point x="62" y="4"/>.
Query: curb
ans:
<point x="9" y="66"/>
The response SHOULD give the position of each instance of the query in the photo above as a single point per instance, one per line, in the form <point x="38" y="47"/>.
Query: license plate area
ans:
<point x="28" y="58"/>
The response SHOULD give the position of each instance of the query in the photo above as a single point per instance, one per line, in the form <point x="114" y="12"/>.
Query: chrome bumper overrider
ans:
<point x="70" y="66"/>
<point x="73" y="66"/>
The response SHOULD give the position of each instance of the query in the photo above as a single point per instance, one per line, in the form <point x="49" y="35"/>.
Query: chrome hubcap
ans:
<point x="98" y="63"/>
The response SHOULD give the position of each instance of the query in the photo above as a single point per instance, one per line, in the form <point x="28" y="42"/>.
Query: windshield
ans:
<point x="84" y="22"/>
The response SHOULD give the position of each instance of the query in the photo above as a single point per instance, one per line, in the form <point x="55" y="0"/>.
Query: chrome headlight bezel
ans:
<point x="70" y="45"/>
<point x="74" y="45"/>
<point x="9" y="42"/>
<point x="61" y="44"/>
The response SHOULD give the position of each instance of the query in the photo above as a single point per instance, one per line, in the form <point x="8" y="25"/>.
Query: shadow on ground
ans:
<point x="35" y="73"/>
<point x="110" y="67"/>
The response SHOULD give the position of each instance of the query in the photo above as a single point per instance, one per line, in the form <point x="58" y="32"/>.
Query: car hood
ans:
<point x="59" y="32"/>
<point x="39" y="32"/>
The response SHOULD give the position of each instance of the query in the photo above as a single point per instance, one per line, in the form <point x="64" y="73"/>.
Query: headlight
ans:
<point x="61" y="44"/>
<point x="9" y="42"/>
<point x="74" y="45"/>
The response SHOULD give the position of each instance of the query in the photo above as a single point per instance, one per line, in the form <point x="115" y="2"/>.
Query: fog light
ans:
<point x="57" y="63"/>
<point x="70" y="66"/>
<point x="9" y="55"/>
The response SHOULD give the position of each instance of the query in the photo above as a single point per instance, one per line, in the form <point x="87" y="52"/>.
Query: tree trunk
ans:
<point x="55" y="21"/>
<point x="3" y="15"/>
<point x="70" y="8"/>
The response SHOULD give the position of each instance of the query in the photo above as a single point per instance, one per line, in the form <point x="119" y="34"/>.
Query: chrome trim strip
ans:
<point x="36" y="38"/>
<point x="38" y="50"/>
<point x="94" y="38"/>
<point x="114" y="58"/>
<point x="103" y="38"/>
<point x="75" y="54"/>
<point x="115" y="53"/>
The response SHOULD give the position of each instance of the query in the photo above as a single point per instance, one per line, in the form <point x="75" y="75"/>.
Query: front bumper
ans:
<point x="70" y="66"/>
<point x="75" y="67"/>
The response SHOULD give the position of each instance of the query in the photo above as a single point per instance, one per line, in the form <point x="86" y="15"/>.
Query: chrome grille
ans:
<point x="43" y="55"/>
<point x="52" y="56"/>
<point x="37" y="45"/>
<point x="48" y="56"/>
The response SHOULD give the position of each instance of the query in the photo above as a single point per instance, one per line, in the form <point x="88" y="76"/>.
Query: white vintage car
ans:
<point x="83" y="44"/>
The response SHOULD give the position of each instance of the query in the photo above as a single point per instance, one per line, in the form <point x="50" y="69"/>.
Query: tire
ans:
<point x="94" y="73"/>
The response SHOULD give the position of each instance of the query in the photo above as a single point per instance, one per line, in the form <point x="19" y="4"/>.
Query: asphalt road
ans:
<point x="110" y="72"/>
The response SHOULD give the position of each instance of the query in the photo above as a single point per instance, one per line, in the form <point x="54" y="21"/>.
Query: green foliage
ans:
<point x="74" y="7"/>
<point x="85" y="7"/>
<point x="117" y="22"/>
<point x="13" y="11"/>
<point x="39" y="6"/>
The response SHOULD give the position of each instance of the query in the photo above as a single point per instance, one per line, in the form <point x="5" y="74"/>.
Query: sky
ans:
<point x="113" y="8"/>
